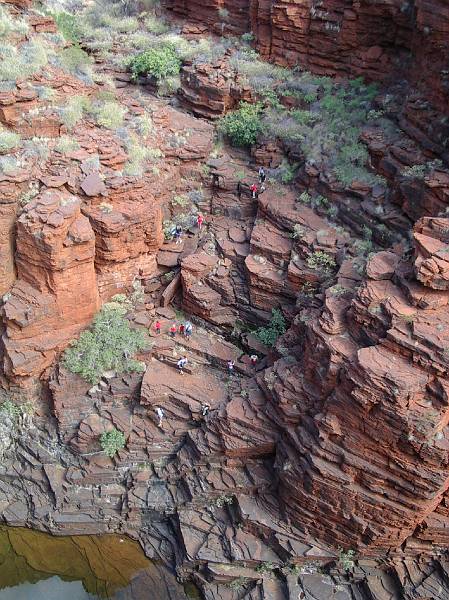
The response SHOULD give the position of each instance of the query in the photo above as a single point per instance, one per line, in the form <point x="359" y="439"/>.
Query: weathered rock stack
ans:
<point x="55" y="294"/>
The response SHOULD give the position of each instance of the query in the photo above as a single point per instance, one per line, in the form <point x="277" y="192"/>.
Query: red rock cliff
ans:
<point x="341" y="37"/>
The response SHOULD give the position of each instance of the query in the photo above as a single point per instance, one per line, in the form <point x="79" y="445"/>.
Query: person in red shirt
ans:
<point x="181" y="329"/>
<point x="253" y="189"/>
<point x="200" y="221"/>
<point x="157" y="327"/>
<point x="173" y="330"/>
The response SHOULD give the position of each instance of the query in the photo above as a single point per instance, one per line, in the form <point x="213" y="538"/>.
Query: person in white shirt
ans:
<point x="181" y="364"/>
<point x="160" y="415"/>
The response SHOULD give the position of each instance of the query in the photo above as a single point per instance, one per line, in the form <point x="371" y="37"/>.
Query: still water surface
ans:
<point x="37" y="566"/>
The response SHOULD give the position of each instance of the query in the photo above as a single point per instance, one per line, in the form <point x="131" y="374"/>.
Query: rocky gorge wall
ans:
<point x="379" y="40"/>
<point x="339" y="436"/>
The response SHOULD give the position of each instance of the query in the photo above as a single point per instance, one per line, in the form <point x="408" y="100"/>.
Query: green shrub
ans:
<point x="346" y="559"/>
<point x="110" y="115"/>
<point x="73" y="112"/>
<point x="320" y="261"/>
<point x="155" y="25"/>
<point x="112" y="441"/>
<point x="120" y="24"/>
<point x="68" y="25"/>
<point x="23" y="61"/>
<point x="276" y="327"/>
<point x="180" y="200"/>
<point x="66" y="144"/>
<point x="8" y="140"/>
<point x="158" y="62"/>
<point x="169" y="85"/>
<point x="138" y="155"/>
<point x="73" y="58"/>
<point x="108" y="345"/>
<point x="304" y="117"/>
<point x="305" y="198"/>
<point x="12" y="410"/>
<point x="420" y="171"/>
<point x="144" y="124"/>
<point x="247" y="38"/>
<point x="285" y="173"/>
<point x="45" y="93"/>
<point x="265" y="567"/>
<point x="37" y="147"/>
<point x="10" y="25"/>
<point x="244" y="125"/>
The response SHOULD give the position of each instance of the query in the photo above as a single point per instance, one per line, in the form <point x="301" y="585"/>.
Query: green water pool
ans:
<point x="37" y="566"/>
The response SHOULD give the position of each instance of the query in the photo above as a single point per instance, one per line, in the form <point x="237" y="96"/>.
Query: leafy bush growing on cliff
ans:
<point x="243" y="126"/>
<point x="112" y="441"/>
<point x="320" y="261"/>
<point x="10" y="25"/>
<point x="109" y="344"/>
<point x="110" y="115"/>
<point x="8" y="140"/>
<point x="66" y="144"/>
<point x="23" y="61"/>
<point x="73" y="58"/>
<point x="346" y="559"/>
<point x="159" y="62"/>
<point x="68" y="25"/>
<point x="420" y="171"/>
<point x="276" y="327"/>
<point x="74" y="110"/>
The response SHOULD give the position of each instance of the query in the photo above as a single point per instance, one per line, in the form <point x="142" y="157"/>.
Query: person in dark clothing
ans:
<point x="178" y="234"/>
<point x="262" y="175"/>
<point x="239" y="190"/>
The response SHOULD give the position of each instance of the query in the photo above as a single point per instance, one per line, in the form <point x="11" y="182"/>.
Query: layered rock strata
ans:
<point x="55" y="294"/>
<point x="341" y="38"/>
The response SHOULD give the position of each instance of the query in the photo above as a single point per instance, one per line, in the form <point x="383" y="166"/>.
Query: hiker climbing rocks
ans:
<point x="215" y="180"/>
<point x="239" y="190"/>
<point x="262" y="175"/>
<point x="205" y="409"/>
<point x="157" y="327"/>
<point x="254" y="192"/>
<point x="173" y="330"/>
<point x="182" y="329"/>
<point x="188" y="328"/>
<point x="231" y="364"/>
<point x="200" y="221"/>
<point x="178" y="234"/>
<point x="181" y="364"/>
<point x="254" y="358"/>
<point x="160" y="415"/>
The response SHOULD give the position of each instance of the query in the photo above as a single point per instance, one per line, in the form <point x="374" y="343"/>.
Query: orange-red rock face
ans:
<point x="128" y="234"/>
<point x="364" y="457"/>
<point x="55" y="294"/>
<point x="341" y="37"/>
<point x="11" y="189"/>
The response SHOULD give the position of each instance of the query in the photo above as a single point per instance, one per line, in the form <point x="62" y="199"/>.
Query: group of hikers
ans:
<point x="177" y="231"/>
<point x="160" y="413"/>
<point x="185" y="329"/>
<point x="254" y="189"/>
<point x="231" y="364"/>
